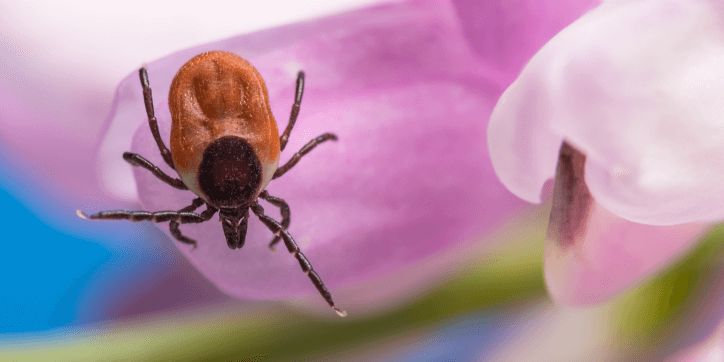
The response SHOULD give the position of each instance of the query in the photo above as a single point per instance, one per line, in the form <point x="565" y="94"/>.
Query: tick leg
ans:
<point x="148" y="101"/>
<point x="295" y="111"/>
<point x="275" y="227"/>
<point x="173" y="225"/>
<point x="297" y="156"/>
<point x="183" y="217"/>
<point x="283" y="208"/>
<point x="137" y="160"/>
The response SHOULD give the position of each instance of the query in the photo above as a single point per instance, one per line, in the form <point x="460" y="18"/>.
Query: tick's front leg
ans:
<point x="137" y="160"/>
<point x="298" y="156"/>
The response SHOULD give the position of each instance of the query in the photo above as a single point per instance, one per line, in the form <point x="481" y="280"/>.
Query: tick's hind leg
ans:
<point x="173" y="225"/>
<point x="275" y="227"/>
<point x="148" y="101"/>
<point x="297" y="156"/>
<point x="137" y="160"/>
<point x="283" y="209"/>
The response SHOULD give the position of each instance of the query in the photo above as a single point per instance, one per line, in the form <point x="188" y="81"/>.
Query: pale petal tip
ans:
<point x="340" y="312"/>
<point x="82" y="215"/>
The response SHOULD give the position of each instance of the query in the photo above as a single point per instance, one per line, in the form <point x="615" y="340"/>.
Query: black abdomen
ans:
<point x="230" y="172"/>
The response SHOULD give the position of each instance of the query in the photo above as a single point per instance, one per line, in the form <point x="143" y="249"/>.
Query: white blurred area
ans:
<point x="106" y="40"/>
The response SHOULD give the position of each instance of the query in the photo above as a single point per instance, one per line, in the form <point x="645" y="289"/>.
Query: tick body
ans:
<point x="225" y="147"/>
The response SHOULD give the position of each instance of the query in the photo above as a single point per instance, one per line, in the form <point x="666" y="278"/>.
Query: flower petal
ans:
<point x="506" y="34"/>
<point x="56" y="145"/>
<point x="612" y="255"/>
<point x="635" y="85"/>
<point x="400" y="87"/>
<point x="592" y="254"/>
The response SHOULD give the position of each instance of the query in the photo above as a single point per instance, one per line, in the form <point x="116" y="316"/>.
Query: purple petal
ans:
<point x="507" y="33"/>
<point x="400" y="87"/>
<point x="635" y="86"/>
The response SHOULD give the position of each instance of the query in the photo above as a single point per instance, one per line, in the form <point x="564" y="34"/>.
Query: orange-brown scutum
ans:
<point x="219" y="94"/>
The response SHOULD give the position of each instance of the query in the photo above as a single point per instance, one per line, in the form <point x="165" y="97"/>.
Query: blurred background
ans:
<point x="74" y="290"/>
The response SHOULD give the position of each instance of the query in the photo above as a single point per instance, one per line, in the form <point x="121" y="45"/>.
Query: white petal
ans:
<point x="638" y="86"/>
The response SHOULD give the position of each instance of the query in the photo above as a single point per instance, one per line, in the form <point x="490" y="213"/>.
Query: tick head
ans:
<point x="230" y="172"/>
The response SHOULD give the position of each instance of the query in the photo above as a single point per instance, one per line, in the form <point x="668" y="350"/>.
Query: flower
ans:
<point x="56" y="86"/>
<point x="627" y="102"/>
<point x="403" y="91"/>
<point x="54" y="94"/>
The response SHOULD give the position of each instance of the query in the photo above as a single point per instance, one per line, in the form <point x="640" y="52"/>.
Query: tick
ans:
<point x="225" y="147"/>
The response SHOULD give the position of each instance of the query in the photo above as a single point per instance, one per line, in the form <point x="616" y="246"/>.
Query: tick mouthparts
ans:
<point x="235" y="225"/>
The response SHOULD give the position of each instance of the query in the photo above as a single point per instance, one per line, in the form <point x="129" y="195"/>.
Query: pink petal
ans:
<point x="400" y="87"/>
<point x="56" y="144"/>
<point x="635" y="86"/>
<point x="592" y="254"/>
<point x="507" y="33"/>
<point x="613" y="255"/>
